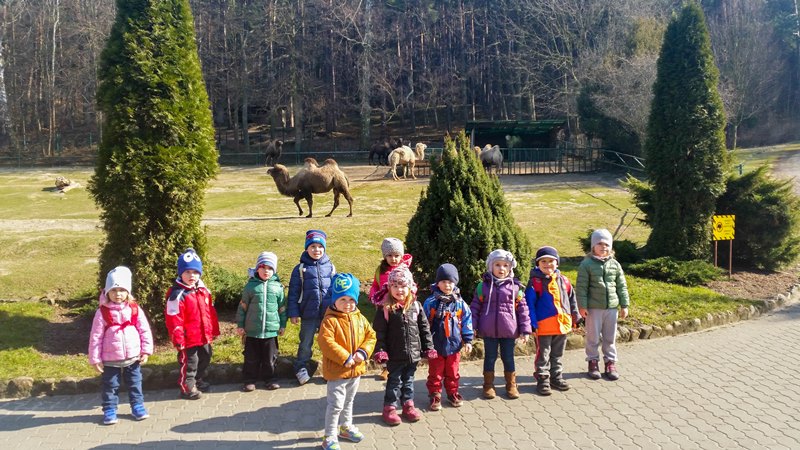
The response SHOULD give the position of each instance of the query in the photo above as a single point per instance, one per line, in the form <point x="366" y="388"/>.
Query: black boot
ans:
<point x="543" y="385"/>
<point x="558" y="382"/>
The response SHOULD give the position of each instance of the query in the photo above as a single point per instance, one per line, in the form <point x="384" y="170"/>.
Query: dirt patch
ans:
<point x="757" y="285"/>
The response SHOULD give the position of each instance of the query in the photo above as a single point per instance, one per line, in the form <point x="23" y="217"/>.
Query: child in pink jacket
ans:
<point x="119" y="342"/>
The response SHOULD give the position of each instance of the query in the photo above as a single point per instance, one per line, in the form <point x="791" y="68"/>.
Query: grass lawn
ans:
<point x="49" y="245"/>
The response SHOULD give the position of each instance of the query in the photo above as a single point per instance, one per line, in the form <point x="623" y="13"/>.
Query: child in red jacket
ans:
<point x="192" y="324"/>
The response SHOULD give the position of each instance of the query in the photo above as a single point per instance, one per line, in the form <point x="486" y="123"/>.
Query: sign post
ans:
<point x="723" y="230"/>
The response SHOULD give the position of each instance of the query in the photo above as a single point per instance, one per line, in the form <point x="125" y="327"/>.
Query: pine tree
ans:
<point x="461" y="218"/>
<point x="157" y="151"/>
<point x="685" y="148"/>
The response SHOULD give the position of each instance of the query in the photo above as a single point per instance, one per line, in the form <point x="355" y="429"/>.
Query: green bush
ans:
<point x="671" y="270"/>
<point x="767" y="216"/>
<point x="225" y="286"/>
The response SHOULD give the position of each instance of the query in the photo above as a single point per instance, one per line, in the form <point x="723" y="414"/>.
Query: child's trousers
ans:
<point x="506" y="353"/>
<point x="340" y="404"/>
<point x="443" y="369"/>
<point x="111" y="382"/>
<point x="400" y="384"/>
<point x="549" y="350"/>
<point x="192" y="365"/>
<point x="260" y="356"/>
<point x="308" y="329"/>
<point x="601" y="326"/>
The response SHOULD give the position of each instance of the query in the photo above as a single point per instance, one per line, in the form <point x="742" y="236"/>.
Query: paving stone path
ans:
<point x="734" y="386"/>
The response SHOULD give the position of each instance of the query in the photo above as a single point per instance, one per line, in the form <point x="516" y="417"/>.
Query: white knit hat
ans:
<point x="602" y="235"/>
<point x="119" y="277"/>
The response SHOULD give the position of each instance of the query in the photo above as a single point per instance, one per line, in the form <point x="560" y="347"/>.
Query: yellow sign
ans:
<point x="723" y="227"/>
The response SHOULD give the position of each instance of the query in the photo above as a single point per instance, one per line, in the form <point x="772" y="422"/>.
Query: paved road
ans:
<point x="731" y="387"/>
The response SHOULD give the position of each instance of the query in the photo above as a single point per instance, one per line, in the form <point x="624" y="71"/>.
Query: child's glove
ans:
<point x="431" y="354"/>
<point x="577" y="320"/>
<point x="380" y="357"/>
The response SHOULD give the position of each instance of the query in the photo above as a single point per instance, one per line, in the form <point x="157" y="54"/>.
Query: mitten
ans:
<point x="431" y="354"/>
<point x="380" y="357"/>
<point x="577" y="320"/>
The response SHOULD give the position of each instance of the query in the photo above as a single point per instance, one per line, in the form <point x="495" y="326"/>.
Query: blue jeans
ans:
<point x="506" y="353"/>
<point x="400" y="383"/>
<point x="308" y="328"/>
<point x="111" y="381"/>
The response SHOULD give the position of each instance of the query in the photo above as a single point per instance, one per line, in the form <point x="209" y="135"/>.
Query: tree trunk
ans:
<point x="365" y="78"/>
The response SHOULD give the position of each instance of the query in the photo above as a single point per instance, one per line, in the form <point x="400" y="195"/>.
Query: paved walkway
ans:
<point x="731" y="387"/>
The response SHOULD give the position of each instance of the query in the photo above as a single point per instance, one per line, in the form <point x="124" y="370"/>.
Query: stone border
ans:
<point x="22" y="387"/>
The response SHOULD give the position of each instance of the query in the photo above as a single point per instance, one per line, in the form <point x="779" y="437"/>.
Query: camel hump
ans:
<point x="330" y="162"/>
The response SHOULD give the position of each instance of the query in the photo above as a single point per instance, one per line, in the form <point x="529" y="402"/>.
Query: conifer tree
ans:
<point x="461" y="218"/>
<point x="157" y="151"/>
<point x="685" y="147"/>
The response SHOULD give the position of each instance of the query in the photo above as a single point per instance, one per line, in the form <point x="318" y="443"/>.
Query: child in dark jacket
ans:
<point x="403" y="338"/>
<point x="192" y="324"/>
<point x="309" y="297"/>
<point x="451" y="329"/>
<point x="554" y="313"/>
<point x="500" y="317"/>
<point x="260" y="319"/>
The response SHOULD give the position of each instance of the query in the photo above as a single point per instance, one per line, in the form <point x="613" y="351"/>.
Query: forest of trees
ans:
<point x="364" y="67"/>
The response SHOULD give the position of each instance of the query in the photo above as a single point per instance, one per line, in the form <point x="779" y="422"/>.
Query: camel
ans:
<point x="313" y="179"/>
<point x="380" y="151"/>
<point x="273" y="152"/>
<point x="491" y="156"/>
<point x="407" y="158"/>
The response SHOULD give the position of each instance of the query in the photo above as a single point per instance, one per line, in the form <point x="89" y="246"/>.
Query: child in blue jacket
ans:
<point x="451" y="328"/>
<point x="309" y="296"/>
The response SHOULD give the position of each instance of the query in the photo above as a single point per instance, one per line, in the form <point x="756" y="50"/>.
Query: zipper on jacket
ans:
<point x="264" y="309"/>
<point x="352" y="344"/>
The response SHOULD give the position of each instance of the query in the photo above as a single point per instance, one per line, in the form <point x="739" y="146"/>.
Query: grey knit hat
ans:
<point x="267" y="259"/>
<point x="602" y="235"/>
<point x="504" y="255"/>
<point x="392" y="246"/>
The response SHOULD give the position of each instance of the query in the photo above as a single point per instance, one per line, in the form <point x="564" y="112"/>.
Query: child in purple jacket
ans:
<point x="119" y="342"/>
<point x="500" y="317"/>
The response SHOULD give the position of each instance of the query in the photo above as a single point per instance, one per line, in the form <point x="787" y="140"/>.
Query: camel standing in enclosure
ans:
<point x="273" y="151"/>
<point x="313" y="179"/>
<point x="491" y="156"/>
<point x="407" y="158"/>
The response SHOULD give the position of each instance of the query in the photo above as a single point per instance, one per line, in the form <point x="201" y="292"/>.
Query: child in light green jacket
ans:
<point x="602" y="295"/>
<point x="260" y="319"/>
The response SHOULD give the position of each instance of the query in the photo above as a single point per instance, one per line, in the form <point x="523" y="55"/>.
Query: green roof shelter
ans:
<point x="516" y="133"/>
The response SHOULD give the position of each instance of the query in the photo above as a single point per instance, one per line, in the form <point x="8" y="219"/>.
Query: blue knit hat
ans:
<point x="345" y="284"/>
<point x="316" y="237"/>
<point x="447" y="272"/>
<point x="189" y="260"/>
<point x="547" y="252"/>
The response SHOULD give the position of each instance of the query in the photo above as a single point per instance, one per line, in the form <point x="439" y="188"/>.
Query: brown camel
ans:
<point x="313" y="179"/>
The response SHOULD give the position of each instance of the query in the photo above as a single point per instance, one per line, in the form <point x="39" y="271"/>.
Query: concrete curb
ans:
<point x="22" y="387"/>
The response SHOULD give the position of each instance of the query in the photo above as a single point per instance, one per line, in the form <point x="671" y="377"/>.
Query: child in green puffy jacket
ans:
<point x="260" y="319"/>
<point x="602" y="297"/>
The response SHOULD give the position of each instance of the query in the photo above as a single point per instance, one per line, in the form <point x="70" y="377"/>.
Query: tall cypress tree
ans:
<point x="685" y="148"/>
<point x="157" y="152"/>
<point x="461" y="218"/>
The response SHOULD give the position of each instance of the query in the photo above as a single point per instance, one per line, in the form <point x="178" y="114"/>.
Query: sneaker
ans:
<point x="611" y="371"/>
<point x="248" y="387"/>
<point x="559" y="383"/>
<point x="455" y="399"/>
<point x="411" y="413"/>
<point x="194" y="394"/>
<point x="594" y="370"/>
<point x="436" y="403"/>
<point x="139" y="412"/>
<point x="202" y="385"/>
<point x="350" y="433"/>
<point x="302" y="377"/>
<point x="110" y="417"/>
<point x="330" y="443"/>
<point x="543" y="385"/>
<point x="390" y="416"/>
<point x="272" y="386"/>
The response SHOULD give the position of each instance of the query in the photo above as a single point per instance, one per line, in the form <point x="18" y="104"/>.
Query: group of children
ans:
<point x="503" y="312"/>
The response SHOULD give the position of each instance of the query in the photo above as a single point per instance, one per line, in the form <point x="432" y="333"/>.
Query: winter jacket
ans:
<point x="382" y="278"/>
<point x="551" y="303"/>
<point x="499" y="309"/>
<point x="309" y="292"/>
<point x="341" y="335"/>
<point x="119" y="342"/>
<point x="601" y="284"/>
<point x="190" y="315"/>
<point x="404" y="335"/>
<point x="450" y="320"/>
<point x="262" y="310"/>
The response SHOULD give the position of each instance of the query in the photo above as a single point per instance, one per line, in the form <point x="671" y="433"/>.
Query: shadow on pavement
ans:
<point x="193" y="444"/>
<point x="25" y="421"/>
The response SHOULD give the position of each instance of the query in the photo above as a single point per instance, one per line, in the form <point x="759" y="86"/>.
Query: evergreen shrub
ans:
<point x="461" y="217"/>
<point x="672" y="270"/>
